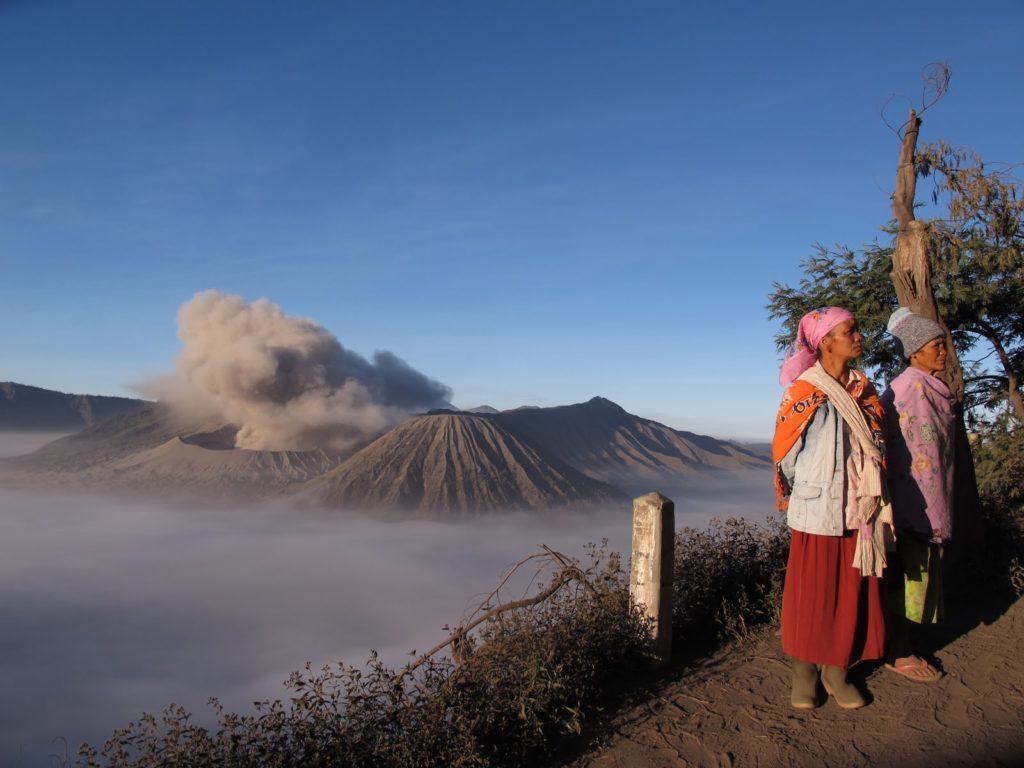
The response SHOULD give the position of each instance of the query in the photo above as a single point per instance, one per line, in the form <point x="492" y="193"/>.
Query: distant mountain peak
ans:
<point x="483" y="409"/>
<point x="606" y="442"/>
<point x="603" y="402"/>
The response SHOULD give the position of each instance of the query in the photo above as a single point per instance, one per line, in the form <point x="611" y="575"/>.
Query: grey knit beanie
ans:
<point x="912" y="330"/>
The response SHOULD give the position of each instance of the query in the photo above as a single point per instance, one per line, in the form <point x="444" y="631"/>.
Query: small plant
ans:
<point x="1017" y="577"/>
<point x="999" y="464"/>
<point x="727" y="578"/>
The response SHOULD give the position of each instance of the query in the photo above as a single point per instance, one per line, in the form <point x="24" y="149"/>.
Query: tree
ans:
<point x="912" y="270"/>
<point x="977" y="276"/>
<point x="979" y="264"/>
<point x="911" y="256"/>
<point x="964" y="270"/>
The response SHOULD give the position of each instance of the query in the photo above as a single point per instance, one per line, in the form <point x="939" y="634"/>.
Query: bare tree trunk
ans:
<point x="912" y="278"/>
<point x="1012" y="381"/>
<point x="911" y="261"/>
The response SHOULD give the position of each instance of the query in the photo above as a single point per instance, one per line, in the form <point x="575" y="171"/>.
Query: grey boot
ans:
<point x="846" y="695"/>
<point x="805" y="685"/>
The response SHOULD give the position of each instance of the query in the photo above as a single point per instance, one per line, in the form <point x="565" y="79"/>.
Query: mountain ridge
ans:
<point x="24" y="407"/>
<point x="461" y="463"/>
<point x="153" y="450"/>
<point x="606" y="442"/>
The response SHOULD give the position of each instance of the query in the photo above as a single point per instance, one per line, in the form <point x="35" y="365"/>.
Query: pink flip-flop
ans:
<point x="916" y="669"/>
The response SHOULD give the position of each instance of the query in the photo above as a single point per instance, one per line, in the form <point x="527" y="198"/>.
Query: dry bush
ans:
<point x="523" y="682"/>
<point x="999" y="464"/>
<point x="511" y="693"/>
<point x="728" y="578"/>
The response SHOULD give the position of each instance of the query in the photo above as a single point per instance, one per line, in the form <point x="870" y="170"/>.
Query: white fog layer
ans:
<point x="111" y="609"/>
<point x="18" y="443"/>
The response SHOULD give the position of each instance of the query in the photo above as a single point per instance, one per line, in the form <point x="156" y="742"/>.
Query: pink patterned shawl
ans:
<point x="919" y="446"/>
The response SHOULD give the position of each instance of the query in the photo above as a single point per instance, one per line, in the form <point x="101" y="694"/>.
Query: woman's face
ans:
<point x="844" y="341"/>
<point x="931" y="358"/>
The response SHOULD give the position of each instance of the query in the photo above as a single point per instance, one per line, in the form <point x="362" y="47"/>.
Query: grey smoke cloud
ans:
<point x="285" y="381"/>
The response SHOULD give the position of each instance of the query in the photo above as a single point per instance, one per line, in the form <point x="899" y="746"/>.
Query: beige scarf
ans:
<point x="872" y="515"/>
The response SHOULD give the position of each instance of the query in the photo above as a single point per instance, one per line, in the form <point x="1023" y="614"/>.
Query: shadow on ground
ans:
<point x="732" y="708"/>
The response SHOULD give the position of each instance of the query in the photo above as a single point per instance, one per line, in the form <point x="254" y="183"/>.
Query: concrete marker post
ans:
<point x="650" y="573"/>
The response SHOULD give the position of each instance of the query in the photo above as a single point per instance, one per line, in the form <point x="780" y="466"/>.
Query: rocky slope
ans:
<point x="483" y="409"/>
<point x="455" y="462"/>
<point x="151" y="451"/>
<point x="33" y="408"/>
<point x="112" y="439"/>
<point x="226" y="471"/>
<point x="604" y="441"/>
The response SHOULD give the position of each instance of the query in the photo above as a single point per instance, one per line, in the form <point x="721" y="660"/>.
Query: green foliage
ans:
<point x="727" y="578"/>
<point x="978" y="260"/>
<point x="535" y="677"/>
<point x="977" y="276"/>
<point x="841" y="277"/>
<point x="999" y="463"/>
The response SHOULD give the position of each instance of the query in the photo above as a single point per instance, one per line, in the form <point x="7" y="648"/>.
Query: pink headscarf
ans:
<point x="814" y="326"/>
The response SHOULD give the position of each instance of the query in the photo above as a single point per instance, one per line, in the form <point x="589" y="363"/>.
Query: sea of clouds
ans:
<point x="114" y="608"/>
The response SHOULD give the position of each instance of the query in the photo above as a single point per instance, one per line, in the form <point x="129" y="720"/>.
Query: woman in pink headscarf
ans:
<point x="828" y="477"/>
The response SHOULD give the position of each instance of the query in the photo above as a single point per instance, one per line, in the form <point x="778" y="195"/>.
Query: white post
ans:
<point x="650" y="575"/>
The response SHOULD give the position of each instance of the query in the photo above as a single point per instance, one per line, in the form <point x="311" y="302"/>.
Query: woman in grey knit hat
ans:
<point x="919" y="444"/>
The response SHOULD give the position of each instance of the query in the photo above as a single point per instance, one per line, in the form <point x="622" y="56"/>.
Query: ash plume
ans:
<point x="287" y="382"/>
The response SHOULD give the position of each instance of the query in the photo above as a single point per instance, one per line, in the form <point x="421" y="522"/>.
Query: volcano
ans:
<point x="154" y="451"/>
<point x="456" y="462"/>
<point x="116" y="438"/>
<point x="444" y="462"/>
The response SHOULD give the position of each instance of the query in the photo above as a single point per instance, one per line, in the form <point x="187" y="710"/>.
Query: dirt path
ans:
<point x="734" y="710"/>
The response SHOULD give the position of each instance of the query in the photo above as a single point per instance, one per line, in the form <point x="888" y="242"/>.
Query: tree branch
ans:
<point x="906" y="173"/>
<point x="569" y="572"/>
<point x="1013" y="393"/>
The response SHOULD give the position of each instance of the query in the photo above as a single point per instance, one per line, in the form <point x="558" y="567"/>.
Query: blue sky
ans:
<point x="532" y="202"/>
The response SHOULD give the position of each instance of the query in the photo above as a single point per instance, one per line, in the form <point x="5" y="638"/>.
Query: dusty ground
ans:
<point x="734" y="709"/>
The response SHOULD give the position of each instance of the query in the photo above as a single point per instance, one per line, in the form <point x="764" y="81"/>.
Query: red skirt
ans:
<point x="830" y="613"/>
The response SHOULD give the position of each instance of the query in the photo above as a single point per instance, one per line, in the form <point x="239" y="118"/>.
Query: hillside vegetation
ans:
<point x="509" y="695"/>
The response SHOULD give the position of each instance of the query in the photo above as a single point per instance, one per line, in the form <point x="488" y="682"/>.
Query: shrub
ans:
<point x="511" y="693"/>
<point x="999" y="465"/>
<point x="728" y="578"/>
